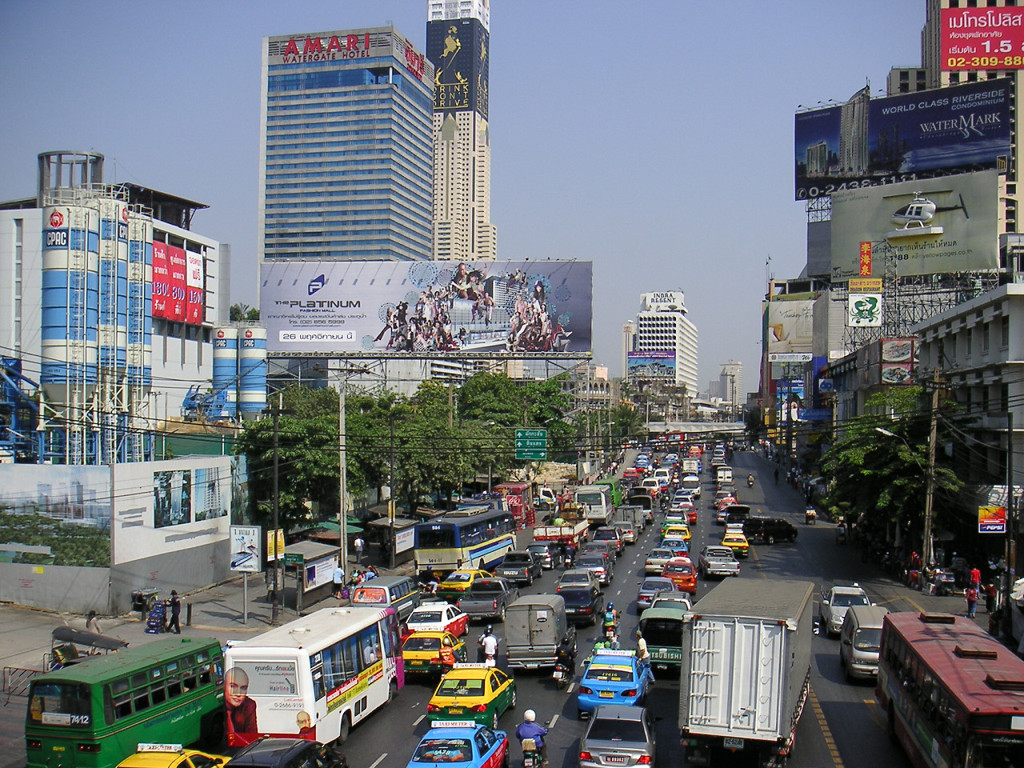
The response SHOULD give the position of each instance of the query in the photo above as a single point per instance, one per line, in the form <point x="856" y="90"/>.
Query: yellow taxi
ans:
<point x="677" y="531"/>
<point x="432" y="653"/>
<point x="737" y="542"/>
<point x="457" y="582"/>
<point x="473" y="692"/>
<point x="170" y="756"/>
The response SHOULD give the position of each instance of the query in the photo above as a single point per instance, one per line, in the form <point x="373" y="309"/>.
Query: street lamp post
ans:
<point x="927" y="551"/>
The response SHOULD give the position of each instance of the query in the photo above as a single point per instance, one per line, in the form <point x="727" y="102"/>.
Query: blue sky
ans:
<point x="654" y="139"/>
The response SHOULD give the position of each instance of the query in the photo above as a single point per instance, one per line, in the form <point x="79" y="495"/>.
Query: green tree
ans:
<point x="882" y="479"/>
<point x="243" y="313"/>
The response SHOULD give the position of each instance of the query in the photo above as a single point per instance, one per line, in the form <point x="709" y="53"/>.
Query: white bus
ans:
<point x="314" y="677"/>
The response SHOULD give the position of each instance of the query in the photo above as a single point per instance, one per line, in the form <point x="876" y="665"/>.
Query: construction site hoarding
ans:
<point x="426" y="308"/>
<point x="925" y="227"/>
<point x="867" y="142"/>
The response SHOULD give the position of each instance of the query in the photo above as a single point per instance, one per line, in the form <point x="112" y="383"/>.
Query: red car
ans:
<point x="682" y="573"/>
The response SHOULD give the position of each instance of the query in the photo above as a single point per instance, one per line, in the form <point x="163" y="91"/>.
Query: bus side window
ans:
<point x="108" y="706"/>
<point x="122" y="698"/>
<point x="141" y="699"/>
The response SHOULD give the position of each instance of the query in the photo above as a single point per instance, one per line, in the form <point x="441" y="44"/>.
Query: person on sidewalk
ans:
<point x="173" y="624"/>
<point x="990" y="597"/>
<point x="338" y="577"/>
<point x="359" y="544"/>
<point x="92" y="624"/>
<point x="971" y="595"/>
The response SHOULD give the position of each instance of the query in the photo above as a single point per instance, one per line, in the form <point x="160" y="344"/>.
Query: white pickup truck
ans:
<point x="717" y="561"/>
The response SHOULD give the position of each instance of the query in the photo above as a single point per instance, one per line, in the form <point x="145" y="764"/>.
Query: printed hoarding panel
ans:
<point x="423" y="307"/>
<point x="790" y="325"/>
<point x="460" y="50"/>
<point x="177" y="266"/>
<point x="982" y="38"/>
<point x="864" y="310"/>
<point x="161" y="280"/>
<point x="654" y="364"/>
<point x="929" y="226"/>
<point x="871" y="142"/>
<point x="195" y="281"/>
<point x="172" y="498"/>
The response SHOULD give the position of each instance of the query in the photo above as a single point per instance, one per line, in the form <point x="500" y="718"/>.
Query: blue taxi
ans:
<point x="612" y="677"/>
<point x="462" y="743"/>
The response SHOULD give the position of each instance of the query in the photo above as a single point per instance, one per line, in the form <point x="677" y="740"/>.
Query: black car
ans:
<point x="288" y="753"/>
<point x="768" y="530"/>
<point x="583" y="605"/>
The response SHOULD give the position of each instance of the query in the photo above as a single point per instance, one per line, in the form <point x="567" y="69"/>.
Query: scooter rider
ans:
<point x="530" y="730"/>
<point x="750" y="480"/>
<point x="488" y="645"/>
<point x="565" y="655"/>
<point x="611" y="618"/>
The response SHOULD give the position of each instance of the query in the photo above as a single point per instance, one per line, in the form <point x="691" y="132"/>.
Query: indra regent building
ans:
<point x="345" y="147"/>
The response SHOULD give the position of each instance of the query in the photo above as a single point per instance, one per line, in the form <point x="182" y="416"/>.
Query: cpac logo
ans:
<point x="56" y="219"/>
<point x="316" y="284"/>
<point x="124" y="214"/>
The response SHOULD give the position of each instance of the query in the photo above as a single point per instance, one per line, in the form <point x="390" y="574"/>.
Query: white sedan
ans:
<point x="438" y="617"/>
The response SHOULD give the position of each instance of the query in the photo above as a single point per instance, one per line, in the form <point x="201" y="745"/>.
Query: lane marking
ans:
<point x="550" y="725"/>
<point x="826" y="733"/>
<point x="378" y="761"/>
<point x="569" y="689"/>
<point x="418" y="720"/>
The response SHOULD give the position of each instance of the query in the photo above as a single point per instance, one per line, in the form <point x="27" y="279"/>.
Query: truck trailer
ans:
<point x="745" y="670"/>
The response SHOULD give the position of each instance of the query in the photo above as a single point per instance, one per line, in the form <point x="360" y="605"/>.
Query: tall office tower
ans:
<point x="730" y="383"/>
<point x="345" y="148"/>
<point x="458" y="44"/>
<point x="665" y="332"/>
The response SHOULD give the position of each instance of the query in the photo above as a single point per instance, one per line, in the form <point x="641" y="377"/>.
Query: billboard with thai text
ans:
<point x="869" y="142"/>
<point x="926" y="227"/>
<point x="982" y="38"/>
<point x="424" y="307"/>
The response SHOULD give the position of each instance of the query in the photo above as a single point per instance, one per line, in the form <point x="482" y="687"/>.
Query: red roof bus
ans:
<point x="952" y="695"/>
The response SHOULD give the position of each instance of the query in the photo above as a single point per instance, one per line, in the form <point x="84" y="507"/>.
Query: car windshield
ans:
<point x="722" y="552"/>
<point x="660" y="554"/>
<point x="656" y="585"/>
<point x="576" y="596"/>
<point x="459" y="577"/>
<point x="575" y="578"/>
<point x="867" y="639"/>
<point x="609" y="674"/>
<point x="845" y="599"/>
<point x="591" y="562"/>
<point x="683" y="569"/>
<point x="451" y="687"/>
<point x="444" y="751"/>
<point x="604" y="535"/>
<point x="617" y="730"/>
<point x="423" y="617"/>
<point x="484" y="588"/>
<point x="512" y="559"/>
<point x="593" y="499"/>
<point x="421" y="643"/>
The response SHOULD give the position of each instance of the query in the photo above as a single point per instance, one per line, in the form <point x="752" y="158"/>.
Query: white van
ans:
<point x="723" y="475"/>
<point x="859" y="640"/>
<point x="691" y="484"/>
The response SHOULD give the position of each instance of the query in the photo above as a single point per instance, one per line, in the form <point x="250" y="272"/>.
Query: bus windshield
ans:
<point x="593" y="499"/>
<point x="435" y="537"/>
<point x="59" y="704"/>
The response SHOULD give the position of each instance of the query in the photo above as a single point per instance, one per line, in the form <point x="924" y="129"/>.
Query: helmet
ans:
<point x="488" y="630"/>
<point x="611" y="605"/>
<point x="529" y="715"/>
<point x="565" y="640"/>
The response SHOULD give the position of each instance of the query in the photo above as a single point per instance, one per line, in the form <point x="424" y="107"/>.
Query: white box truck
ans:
<point x="745" y="670"/>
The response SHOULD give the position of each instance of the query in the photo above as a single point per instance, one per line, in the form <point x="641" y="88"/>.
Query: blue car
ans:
<point x="612" y="677"/>
<point x="461" y="743"/>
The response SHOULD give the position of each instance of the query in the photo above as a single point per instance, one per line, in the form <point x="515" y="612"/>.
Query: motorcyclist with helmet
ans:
<point x="530" y="730"/>
<point x="488" y="646"/>
<point x="611" y="620"/>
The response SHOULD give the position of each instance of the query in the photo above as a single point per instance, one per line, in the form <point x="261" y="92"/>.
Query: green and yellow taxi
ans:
<point x="170" y="756"/>
<point x="672" y="518"/>
<point x="475" y="692"/>
<point x="677" y="531"/>
<point x="457" y="582"/>
<point x="737" y="542"/>
<point x="432" y="653"/>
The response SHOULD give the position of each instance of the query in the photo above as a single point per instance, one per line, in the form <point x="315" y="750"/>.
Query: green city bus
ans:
<point x="614" y="490"/>
<point x="93" y="714"/>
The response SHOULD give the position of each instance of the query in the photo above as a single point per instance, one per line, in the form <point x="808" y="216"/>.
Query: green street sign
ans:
<point x="292" y="559"/>
<point x="532" y="444"/>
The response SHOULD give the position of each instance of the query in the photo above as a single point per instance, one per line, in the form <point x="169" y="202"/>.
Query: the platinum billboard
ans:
<point x="426" y="307"/>
<point x="652" y="364"/>
<point x="869" y="142"/>
<point x="929" y="226"/>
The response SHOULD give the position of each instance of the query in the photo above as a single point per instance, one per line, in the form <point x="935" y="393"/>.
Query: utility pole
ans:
<point x="927" y="548"/>
<point x="342" y="476"/>
<point x="277" y="555"/>
<point x="391" y="494"/>
<point x="1009" y="575"/>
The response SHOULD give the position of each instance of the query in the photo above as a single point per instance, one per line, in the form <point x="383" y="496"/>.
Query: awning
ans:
<point x="352" y="525"/>
<point x="91" y="639"/>
<point x="400" y="523"/>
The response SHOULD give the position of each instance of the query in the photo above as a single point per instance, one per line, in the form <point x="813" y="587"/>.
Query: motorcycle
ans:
<point x="750" y="481"/>
<point x="532" y="757"/>
<point x="562" y="675"/>
<point x="841" y="535"/>
<point x="810" y="515"/>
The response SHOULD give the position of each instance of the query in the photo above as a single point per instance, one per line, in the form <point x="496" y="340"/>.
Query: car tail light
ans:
<point x="644" y="760"/>
<point x="433" y="708"/>
<point x="478" y="708"/>
<point x="585" y="756"/>
<point x="630" y="692"/>
<point x="494" y="604"/>
<point x="584" y="610"/>
<point x="33" y="744"/>
<point x="584" y="689"/>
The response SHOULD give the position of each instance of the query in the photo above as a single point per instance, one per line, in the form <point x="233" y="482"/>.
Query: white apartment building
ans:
<point x="663" y="328"/>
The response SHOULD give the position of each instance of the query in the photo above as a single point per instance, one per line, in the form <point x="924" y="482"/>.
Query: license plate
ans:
<point x="417" y="663"/>
<point x="455" y="711"/>
<point x="729" y="743"/>
<point x="606" y="694"/>
<point x="615" y="759"/>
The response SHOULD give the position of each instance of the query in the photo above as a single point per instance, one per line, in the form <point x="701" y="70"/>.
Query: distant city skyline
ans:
<point x="657" y="144"/>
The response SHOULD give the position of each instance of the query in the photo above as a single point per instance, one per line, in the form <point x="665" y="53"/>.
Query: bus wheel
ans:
<point x="392" y="691"/>
<point x="346" y="727"/>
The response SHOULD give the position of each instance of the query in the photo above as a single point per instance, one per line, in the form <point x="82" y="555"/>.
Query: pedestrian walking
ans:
<point x="971" y="594"/>
<point x="92" y="624"/>
<point x="359" y="544"/>
<point x="173" y="624"/>
<point x="975" y="578"/>
<point x="989" y="591"/>
<point x="338" y="577"/>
